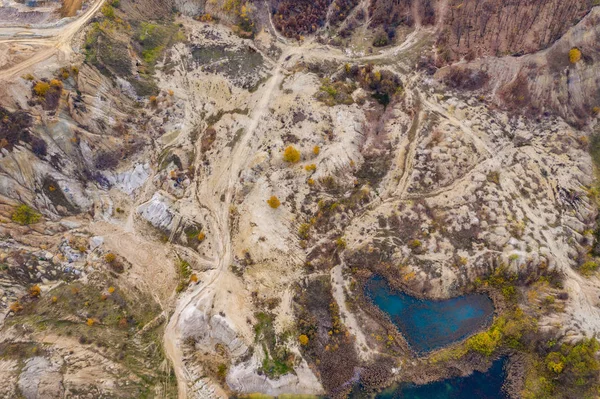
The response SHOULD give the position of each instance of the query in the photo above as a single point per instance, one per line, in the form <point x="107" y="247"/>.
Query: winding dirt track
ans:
<point x="223" y="182"/>
<point x="55" y="40"/>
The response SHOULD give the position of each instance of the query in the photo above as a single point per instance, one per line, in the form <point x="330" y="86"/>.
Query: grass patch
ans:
<point x="278" y="360"/>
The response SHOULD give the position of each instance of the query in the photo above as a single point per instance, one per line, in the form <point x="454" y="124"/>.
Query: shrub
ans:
<point x="110" y="257"/>
<point x="555" y="362"/>
<point x="56" y="83"/>
<point x="111" y="290"/>
<point x="294" y="18"/>
<point x="415" y="244"/>
<point x="16" y="307"/>
<point x="580" y="359"/>
<point x="485" y="342"/>
<point x="291" y="155"/>
<point x="107" y="160"/>
<point x="274" y="202"/>
<point x="25" y="215"/>
<point x="41" y="88"/>
<point x="14" y="128"/>
<point x="39" y="146"/>
<point x="108" y="11"/>
<point x="574" y="55"/>
<point x="466" y="79"/>
<point x="201" y="236"/>
<point x="304" y="230"/>
<point x="303" y="339"/>
<point x="222" y="371"/>
<point x="493" y="177"/>
<point x="316" y="150"/>
<point x="90" y="322"/>
<point x="381" y="39"/>
<point x="54" y="299"/>
<point x="588" y="268"/>
<point x="310" y="168"/>
<point x="35" y="291"/>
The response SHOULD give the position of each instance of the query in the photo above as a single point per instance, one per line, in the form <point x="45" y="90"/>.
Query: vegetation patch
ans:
<point x="278" y="359"/>
<point x="25" y="215"/>
<point x="324" y="339"/>
<point x="294" y="18"/>
<point x="116" y="321"/>
<point x="111" y="45"/>
<point x="14" y="128"/>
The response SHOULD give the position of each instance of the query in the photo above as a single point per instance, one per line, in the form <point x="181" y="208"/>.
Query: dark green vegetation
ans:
<point x="553" y="369"/>
<point x="185" y="273"/>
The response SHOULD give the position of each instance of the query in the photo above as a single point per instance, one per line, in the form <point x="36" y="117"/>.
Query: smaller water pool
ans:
<point x="478" y="385"/>
<point x="430" y="324"/>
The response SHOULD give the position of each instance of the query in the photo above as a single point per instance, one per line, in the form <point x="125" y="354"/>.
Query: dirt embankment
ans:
<point x="70" y="7"/>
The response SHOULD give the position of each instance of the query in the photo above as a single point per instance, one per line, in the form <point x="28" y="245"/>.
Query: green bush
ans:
<point x="588" y="268"/>
<point x="485" y="342"/>
<point x="25" y="215"/>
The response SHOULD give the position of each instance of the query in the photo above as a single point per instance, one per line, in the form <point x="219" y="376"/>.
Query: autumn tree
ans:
<point x="41" y="88"/>
<point x="35" y="291"/>
<point x="291" y="155"/>
<point x="274" y="202"/>
<point x="574" y="55"/>
<point x="303" y="339"/>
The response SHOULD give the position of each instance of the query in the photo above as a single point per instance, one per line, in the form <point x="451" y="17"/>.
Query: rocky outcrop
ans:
<point x="475" y="28"/>
<point x="547" y="82"/>
<point x="41" y="378"/>
<point x="244" y="378"/>
<point x="158" y="212"/>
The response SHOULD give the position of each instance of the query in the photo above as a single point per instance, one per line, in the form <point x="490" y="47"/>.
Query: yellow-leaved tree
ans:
<point x="291" y="155"/>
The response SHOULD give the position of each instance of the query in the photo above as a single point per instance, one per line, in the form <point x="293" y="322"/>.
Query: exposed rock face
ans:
<point x="191" y="7"/>
<point x="158" y="212"/>
<point x="545" y="82"/>
<point x="475" y="28"/>
<point x="244" y="378"/>
<point x="41" y="379"/>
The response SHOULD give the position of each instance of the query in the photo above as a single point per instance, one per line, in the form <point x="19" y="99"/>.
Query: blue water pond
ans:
<point x="431" y="324"/>
<point x="478" y="385"/>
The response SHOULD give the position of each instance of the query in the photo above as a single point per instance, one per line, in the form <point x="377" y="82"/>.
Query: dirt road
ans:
<point x="53" y="40"/>
<point x="208" y="196"/>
